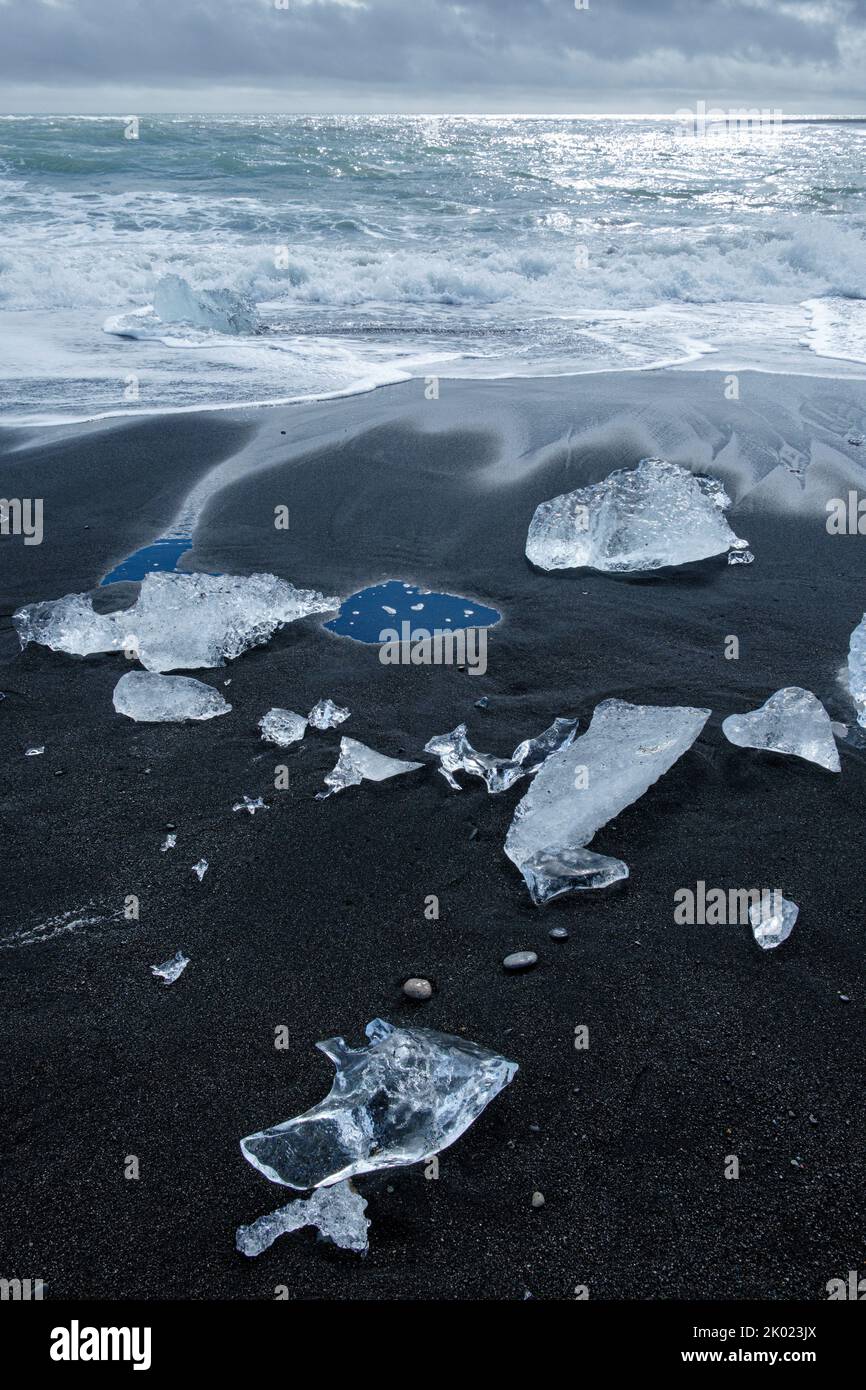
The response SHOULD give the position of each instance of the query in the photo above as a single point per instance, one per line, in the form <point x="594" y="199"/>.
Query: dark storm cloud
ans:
<point x="389" y="46"/>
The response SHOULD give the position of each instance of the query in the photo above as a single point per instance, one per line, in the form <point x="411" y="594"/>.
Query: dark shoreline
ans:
<point x="312" y="913"/>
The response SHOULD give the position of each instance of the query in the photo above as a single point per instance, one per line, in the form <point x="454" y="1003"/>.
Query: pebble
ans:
<point x="417" y="989"/>
<point x="558" y="933"/>
<point x="520" y="960"/>
<point x="538" y="1199"/>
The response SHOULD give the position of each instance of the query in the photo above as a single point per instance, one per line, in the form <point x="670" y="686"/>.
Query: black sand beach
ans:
<point x="312" y="913"/>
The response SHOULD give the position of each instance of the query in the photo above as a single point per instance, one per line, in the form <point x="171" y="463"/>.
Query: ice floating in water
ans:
<point x="220" y="311"/>
<point x="552" y="872"/>
<point x="407" y="1096"/>
<point x="636" y="519"/>
<point x="171" y="969"/>
<point x="857" y="670"/>
<point x="337" y="1212"/>
<point x="200" y="869"/>
<point x="282" y="727"/>
<point x="456" y="754"/>
<point x="327" y="715"/>
<point x="154" y="699"/>
<point x="179" y="621"/>
<point x="792" y="721"/>
<point x="248" y="804"/>
<point x="581" y="787"/>
<point x="357" y="762"/>
<point x="772" y="920"/>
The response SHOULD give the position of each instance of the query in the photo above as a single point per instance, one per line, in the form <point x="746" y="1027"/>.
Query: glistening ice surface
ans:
<point x="640" y="518"/>
<point x="792" y="721"/>
<point x="406" y="1096"/>
<point x="153" y="699"/>
<point x="178" y="622"/>
<point x="337" y="1212"/>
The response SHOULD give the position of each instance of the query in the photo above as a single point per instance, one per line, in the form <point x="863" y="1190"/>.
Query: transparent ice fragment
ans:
<point x="636" y="519"/>
<point x="581" y="787"/>
<point x="178" y="622"/>
<point x="168" y="843"/>
<point x="772" y="920"/>
<point x="200" y="869"/>
<point x="456" y="754"/>
<point x="554" y="871"/>
<point x="740" y="557"/>
<point x="336" y="1211"/>
<point x="219" y="310"/>
<point x="34" y="752"/>
<point x="250" y="804"/>
<point x="792" y="721"/>
<point x="153" y="699"/>
<point x="282" y="727"/>
<point x="171" y="969"/>
<point x="857" y="670"/>
<point x="357" y="762"/>
<point x="327" y="715"/>
<point x="408" y="1095"/>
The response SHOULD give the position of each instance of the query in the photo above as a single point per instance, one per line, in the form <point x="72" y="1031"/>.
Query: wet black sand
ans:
<point x="312" y="913"/>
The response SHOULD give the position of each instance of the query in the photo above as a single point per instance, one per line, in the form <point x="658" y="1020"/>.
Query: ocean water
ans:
<point x="221" y="260"/>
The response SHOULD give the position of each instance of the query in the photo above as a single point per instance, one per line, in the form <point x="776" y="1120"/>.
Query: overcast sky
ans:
<point x="803" y="56"/>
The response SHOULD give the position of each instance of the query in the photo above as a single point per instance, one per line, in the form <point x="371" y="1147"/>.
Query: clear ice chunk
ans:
<point x="581" y="787"/>
<point x="792" y="721"/>
<point x="357" y="762"/>
<point x="552" y="872"/>
<point x="337" y="1212"/>
<point x="772" y="920"/>
<point x="740" y="557"/>
<point x="407" y="1096"/>
<point x="636" y="519"/>
<point x="168" y="843"/>
<point x="251" y="804"/>
<point x="282" y="727"/>
<point x="171" y="969"/>
<point x="219" y="310"/>
<point x="327" y="715"/>
<point x="178" y="622"/>
<point x="200" y="869"/>
<point x="857" y="670"/>
<point x="153" y="699"/>
<point x="456" y="754"/>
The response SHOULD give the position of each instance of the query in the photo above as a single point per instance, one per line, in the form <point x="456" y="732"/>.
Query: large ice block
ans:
<point x="636" y="519"/>
<point x="581" y="787"/>
<point x="409" y="1094"/>
<point x="178" y="622"/>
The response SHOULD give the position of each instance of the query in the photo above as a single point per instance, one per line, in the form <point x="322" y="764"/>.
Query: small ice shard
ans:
<point x="636" y="519"/>
<point x="152" y="699"/>
<point x="357" y="762"/>
<point x="250" y="804"/>
<point x="200" y="869"/>
<point x="740" y="557"/>
<point x="168" y="843"/>
<point x="408" y="1095"/>
<point x="327" y="715"/>
<point x="336" y="1211"/>
<point x="582" y="786"/>
<point x="772" y="919"/>
<point x="456" y="754"/>
<point x="178" y="622"/>
<point x="34" y="752"/>
<point x="857" y="670"/>
<point x="792" y="721"/>
<point x="282" y="727"/>
<point x="552" y="872"/>
<point x="171" y="969"/>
